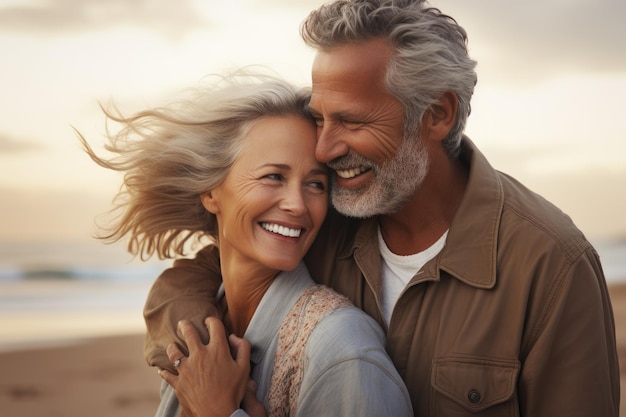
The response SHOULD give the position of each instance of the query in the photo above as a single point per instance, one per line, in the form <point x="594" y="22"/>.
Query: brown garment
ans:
<point x="512" y="318"/>
<point x="175" y="296"/>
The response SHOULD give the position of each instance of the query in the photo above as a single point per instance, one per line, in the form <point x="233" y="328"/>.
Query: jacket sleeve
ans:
<point x="185" y="291"/>
<point x="571" y="364"/>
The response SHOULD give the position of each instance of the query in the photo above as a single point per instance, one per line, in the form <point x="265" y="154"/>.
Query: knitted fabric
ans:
<point x="312" y="306"/>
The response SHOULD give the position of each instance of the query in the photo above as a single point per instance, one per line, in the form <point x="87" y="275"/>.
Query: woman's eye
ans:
<point x="319" y="185"/>
<point x="276" y="177"/>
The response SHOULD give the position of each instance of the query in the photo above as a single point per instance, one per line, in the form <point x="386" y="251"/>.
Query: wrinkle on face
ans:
<point x="348" y="86"/>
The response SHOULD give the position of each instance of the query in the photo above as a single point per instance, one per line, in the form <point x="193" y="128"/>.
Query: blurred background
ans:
<point x="547" y="109"/>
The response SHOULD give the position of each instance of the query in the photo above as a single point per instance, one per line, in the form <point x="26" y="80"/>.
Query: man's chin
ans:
<point x="363" y="204"/>
<point x="356" y="206"/>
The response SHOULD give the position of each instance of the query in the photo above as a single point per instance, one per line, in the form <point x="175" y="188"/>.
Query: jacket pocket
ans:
<point x="474" y="384"/>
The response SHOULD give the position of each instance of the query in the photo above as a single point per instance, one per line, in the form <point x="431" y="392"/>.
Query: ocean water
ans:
<point x="55" y="293"/>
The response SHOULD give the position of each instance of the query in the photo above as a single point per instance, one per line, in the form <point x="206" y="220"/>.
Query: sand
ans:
<point x="94" y="377"/>
<point x="108" y="376"/>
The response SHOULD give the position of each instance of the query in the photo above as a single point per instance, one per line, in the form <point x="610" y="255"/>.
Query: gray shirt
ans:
<point x="347" y="370"/>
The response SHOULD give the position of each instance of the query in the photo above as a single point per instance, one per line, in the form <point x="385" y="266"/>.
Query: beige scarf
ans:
<point x="312" y="306"/>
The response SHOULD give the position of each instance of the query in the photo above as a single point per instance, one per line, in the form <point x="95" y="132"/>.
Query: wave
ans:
<point x="79" y="262"/>
<point x="146" y="272"/>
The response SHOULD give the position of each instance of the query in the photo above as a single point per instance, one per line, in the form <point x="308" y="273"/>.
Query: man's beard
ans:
<point x="394" y="182"/>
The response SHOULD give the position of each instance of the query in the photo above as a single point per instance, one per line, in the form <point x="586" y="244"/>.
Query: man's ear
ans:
<point x="440" y="118"/>
<point x="209" y="201"/>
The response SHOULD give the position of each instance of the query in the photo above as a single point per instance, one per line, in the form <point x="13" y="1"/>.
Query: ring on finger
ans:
<point x="177" y="362"/>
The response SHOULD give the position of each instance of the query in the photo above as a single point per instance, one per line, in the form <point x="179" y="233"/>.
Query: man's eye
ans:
<point x="351" y="124"/>
<point x="319" y="121"/>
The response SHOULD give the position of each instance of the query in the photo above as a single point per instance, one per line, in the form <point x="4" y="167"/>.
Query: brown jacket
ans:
<point x="512" y="318"/>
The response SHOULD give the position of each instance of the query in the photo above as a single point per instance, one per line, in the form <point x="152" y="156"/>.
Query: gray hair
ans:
<point x="173" y="154"/>
<point x="430" y="52"/>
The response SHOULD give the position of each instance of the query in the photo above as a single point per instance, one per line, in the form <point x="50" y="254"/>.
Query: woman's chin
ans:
<point x="285" y="264"/>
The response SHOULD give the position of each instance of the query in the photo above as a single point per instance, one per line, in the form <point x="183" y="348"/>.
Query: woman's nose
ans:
<point x="293" y="201"/>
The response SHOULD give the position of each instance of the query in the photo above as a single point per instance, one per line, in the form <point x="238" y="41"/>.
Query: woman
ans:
<point x="237" y="164"/>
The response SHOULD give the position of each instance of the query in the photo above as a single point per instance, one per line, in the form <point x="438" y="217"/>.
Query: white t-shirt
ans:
<point x="398" y="270"/>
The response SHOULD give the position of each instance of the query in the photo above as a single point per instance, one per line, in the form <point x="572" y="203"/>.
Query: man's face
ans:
<point x="361" y="131"/>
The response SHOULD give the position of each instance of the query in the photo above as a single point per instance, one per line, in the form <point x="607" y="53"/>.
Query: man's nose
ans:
<point x="329" y="144"/>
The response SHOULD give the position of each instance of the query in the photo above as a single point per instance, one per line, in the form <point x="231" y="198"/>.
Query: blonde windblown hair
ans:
<point x="171" y="155"/>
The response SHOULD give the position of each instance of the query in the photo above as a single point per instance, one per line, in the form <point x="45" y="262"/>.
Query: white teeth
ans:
<point x="350" y="173"/>
<point x="281" y="230"/>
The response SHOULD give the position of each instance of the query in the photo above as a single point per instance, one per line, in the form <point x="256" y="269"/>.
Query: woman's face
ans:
<point x="274" y="199"/>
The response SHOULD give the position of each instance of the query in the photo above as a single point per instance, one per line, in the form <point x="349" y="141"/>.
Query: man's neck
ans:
<point x="429" y="212"/>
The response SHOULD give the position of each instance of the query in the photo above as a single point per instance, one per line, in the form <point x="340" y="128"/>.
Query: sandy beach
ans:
<point x="108" y="377"/>
<point x="95" y="377"/>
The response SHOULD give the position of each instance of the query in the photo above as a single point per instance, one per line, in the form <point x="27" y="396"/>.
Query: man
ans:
<point x="493" y="301"/>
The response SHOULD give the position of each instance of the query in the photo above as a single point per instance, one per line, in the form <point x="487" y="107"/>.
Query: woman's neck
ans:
<point x="245" y="285"/>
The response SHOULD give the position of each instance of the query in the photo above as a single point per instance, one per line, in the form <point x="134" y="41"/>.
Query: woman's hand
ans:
<point x="210" y="383"/>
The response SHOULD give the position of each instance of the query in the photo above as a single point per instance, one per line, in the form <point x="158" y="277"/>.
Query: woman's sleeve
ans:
<point x="169" y="406"/>
<point x="348" y="371"/>
<point x="185" y="291"/>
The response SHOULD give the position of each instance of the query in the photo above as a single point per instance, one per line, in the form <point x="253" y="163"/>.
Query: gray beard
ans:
<point x="393" y="185"/>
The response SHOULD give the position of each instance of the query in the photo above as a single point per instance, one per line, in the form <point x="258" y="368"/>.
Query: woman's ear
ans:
<point x="209" y="201"/>
<point x="440" y="118"/>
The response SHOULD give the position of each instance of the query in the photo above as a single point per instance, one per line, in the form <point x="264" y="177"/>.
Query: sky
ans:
<point x="547" y="107"/>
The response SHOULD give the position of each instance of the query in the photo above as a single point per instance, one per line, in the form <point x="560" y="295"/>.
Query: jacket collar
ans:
<point x="470" y="253"/>
<point x="471" y="247"/>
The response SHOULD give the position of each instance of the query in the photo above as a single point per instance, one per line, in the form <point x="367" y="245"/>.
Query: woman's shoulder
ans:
<point x="346" y="333"/>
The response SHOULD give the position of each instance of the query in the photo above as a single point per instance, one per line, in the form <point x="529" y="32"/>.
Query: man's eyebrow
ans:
<point x="312" y="110"/>
<point x="333" y="116"/>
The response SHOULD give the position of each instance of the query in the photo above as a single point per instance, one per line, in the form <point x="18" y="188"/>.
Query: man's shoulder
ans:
<point x="530" y="219"/>
<point x="522" y="211"/>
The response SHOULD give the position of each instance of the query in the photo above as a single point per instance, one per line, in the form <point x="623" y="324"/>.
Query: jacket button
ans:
<point x="473" y="396"/>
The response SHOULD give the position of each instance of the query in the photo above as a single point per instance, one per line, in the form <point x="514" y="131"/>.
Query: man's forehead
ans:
<point x="337" y="99"/>
<point x="348" y="70"/>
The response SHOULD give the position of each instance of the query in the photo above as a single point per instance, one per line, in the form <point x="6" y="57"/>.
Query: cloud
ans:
<point x="532" y="38"/>
<point x="10" y="146"/>
<point x="46" y="17"/>
<point x="539" y="38"/>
